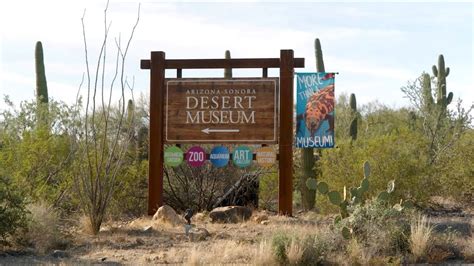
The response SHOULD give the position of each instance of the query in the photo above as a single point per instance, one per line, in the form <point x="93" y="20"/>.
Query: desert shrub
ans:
<point x="38" y="158"/>
<point x="268" y="191"/>
<point x="304" y="247"/>
<point x="391" y="156"/>
<point x="379" y="227"/>
<point x="13" y="213"/>
<point x="280" y="242"/>
<point x="130" y="199"/>
<point x="43" y="231"/>
<point x="420" y="234"/>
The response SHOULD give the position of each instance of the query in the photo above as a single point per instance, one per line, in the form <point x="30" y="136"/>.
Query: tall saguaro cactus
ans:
<point x="227" y="71"/>
<point x="42" y="112"/>
<point x="353" y="127"/>
<point x="441" y="72"/>
<point x="310" y="169"/>
<point x="41" y="85"/>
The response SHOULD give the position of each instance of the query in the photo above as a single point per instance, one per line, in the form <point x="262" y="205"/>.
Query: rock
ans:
<point x="198" y="234"/>
<point x="265" y="222"/>
<point x="442" y="253"/>
<point x="166" y="214"/>
<point x="139" y="241"/>
<point x="148" y="229"/>
<point x="60" y="254"/>
<point x="230" y="214"/>
<point x="464" y="228"/>
<point x="260" y="218"/>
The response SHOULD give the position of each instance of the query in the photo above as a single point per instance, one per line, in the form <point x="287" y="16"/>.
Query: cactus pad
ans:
<point x="383" y="196"/>
<point x="323" y="187"/>
<point x="335" y="197"/>
<point x="346" y="233"/>
<point x="366" y="169"/>
<point x="364" y="186"/>
<point x="311" y="183"/>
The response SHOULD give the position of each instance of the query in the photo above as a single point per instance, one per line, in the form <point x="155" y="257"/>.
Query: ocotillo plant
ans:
<point x="353" y="127"/>
<point x="310" y="170"/>
<point x="441" y="72"/>
<point x="227" y="71"/>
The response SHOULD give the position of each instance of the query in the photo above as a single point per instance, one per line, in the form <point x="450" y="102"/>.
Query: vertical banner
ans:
<point x="315" y="110"/>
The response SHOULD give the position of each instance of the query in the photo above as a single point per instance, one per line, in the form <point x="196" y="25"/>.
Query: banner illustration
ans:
<point x="315" y="110"/>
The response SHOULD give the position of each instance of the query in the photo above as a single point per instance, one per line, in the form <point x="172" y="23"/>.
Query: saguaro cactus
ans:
<point x="353" y="127"/>
<point x="441" y="72"/>
<point x="427" y="95"/>
<point x="227" y="71"/>
<point x="41" y="85"/>
<point x="310" y="170"/>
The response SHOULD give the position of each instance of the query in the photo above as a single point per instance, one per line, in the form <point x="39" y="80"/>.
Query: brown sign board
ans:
<point x="242" y="110"/>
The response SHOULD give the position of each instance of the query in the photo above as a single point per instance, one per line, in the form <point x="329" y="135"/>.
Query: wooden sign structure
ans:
<point x="159" y="130"/>
<point x="221" y="110"/>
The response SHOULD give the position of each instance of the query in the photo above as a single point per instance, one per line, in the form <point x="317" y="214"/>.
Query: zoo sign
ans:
<point x="221" y="110"/>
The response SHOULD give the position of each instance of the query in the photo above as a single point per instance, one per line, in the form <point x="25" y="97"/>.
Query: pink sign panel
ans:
<point x="196" y="156"/>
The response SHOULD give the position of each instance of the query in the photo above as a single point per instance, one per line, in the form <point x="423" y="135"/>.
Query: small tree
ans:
<point x="103" y="137"/>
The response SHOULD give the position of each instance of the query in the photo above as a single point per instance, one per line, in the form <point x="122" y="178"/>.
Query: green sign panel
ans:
<point x="173" y="156"/>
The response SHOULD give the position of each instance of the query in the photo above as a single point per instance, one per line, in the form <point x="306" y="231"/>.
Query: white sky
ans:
<point x="376" y="47"/>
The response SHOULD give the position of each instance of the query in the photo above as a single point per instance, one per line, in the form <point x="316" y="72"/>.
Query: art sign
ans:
<point x="315" y="110"/>
<point x="221" y="110"/>
<point x="242" y="156"/>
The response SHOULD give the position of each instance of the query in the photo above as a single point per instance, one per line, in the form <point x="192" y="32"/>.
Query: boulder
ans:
<point x="166" y="214"/>
<point x="230" y="214"/>
<point x="198" y="234"/>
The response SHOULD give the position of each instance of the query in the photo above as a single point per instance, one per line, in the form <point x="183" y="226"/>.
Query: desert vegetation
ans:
<point x="398" y="187"/>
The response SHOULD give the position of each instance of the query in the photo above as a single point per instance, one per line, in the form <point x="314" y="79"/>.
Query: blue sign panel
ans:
<point x="315" y="110"/>
<point x="219" y="156"/>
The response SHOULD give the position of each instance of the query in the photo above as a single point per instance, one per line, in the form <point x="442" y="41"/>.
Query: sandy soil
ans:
<point x="131" y="244"/>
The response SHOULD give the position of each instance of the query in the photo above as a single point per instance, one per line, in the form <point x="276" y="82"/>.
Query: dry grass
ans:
<point x="468" y="249"/>
<point x="43" y="229"/>
<point x="263" y="254"/>
<point x="295" y="252"/>
<point x="421" y="232"/>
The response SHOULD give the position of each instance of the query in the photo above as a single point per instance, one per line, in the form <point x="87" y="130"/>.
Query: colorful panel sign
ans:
<point x="266" y="156"/>
<point x="315" y="110"/>
<point x="196" y="156"/>
<point x="242" y="156"/>
<point x="219" y="156"/>
<point x="173" y="156"/>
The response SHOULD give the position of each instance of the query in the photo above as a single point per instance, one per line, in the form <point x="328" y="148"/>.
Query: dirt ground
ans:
<point x="143" y="241"/>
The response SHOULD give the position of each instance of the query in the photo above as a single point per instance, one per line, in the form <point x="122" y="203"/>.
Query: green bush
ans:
<point x="380" y="227"/>
<point x="13" y="213"/>
<point x="280" y="242"/>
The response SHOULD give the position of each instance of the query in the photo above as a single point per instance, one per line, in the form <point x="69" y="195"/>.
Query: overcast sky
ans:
<point x="376" y="47"/>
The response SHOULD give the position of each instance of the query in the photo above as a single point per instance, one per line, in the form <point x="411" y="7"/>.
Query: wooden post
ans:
<point x="285" y="181"/>
<point x="155" y="160"/>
